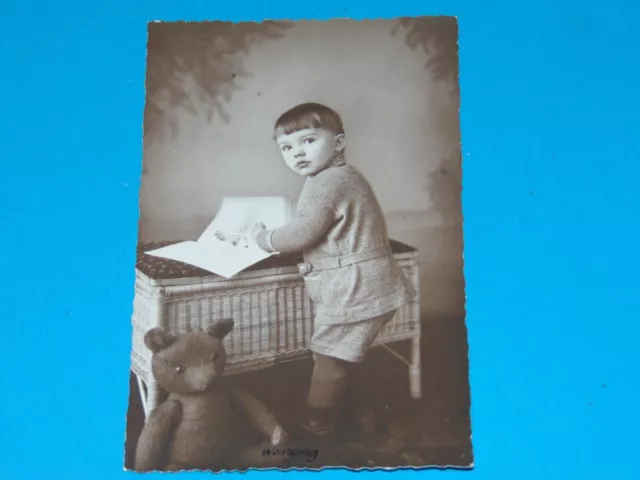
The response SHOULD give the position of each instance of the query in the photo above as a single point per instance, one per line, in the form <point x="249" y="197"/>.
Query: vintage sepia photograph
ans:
<point x="299" y="297"/>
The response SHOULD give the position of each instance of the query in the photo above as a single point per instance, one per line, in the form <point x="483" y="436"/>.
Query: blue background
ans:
<point x="551" y="145"/>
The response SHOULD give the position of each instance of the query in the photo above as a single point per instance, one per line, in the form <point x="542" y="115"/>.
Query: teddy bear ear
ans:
<point x="222" y="328"/>
<point x="158" y="339"/>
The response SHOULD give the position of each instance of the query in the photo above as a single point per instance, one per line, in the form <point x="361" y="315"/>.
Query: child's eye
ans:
<point x="309" y="140"/>
<point x="285" y="148"/>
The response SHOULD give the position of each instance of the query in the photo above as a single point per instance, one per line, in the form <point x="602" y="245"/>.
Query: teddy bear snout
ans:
<point x="203" y="376"/>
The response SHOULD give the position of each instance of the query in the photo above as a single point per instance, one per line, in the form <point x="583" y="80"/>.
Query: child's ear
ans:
<point x="158" y="339"/>
<point x="341" y="142"/>
<point x="222" y="328"/>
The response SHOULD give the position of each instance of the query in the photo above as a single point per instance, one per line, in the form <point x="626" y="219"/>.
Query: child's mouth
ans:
<point x="302" y="164"/>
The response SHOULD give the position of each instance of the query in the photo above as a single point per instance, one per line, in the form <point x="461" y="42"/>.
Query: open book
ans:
<point x="225" y="248"/>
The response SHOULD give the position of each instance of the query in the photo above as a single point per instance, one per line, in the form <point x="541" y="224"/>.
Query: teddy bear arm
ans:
<point x="259" y="415"/>
<point x="151" y="451"/>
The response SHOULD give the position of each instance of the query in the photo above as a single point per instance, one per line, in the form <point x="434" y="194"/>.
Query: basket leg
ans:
<point x="149" y="394"/>
<point x="415" y="369"/>
<point x="153" y="392"/>
<point x="142" y="390"/>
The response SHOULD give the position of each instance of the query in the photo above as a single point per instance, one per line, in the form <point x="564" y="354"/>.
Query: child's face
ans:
<point x="309" y="151"/>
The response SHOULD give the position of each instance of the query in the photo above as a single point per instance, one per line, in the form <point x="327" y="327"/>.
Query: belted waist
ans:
<point x="343" y="261"/>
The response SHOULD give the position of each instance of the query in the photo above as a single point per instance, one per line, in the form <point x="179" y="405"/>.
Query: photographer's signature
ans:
<point x="308" y="453"/>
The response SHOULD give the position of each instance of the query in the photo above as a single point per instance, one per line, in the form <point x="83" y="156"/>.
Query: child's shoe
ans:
<point x="320" y="426"/>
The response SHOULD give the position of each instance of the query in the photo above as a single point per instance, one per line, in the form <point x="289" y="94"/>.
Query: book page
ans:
<point x="229" y="221"/>
<point x="224" y="248"/>
<point x="214" y="259"/>
<point x="237" y="215"/>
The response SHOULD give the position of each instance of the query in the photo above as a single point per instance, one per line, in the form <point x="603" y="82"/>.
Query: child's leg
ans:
<point x="360" y="408"/>
<point x="326" y="394"/>
<point x="361" y="388"/>
<point x="338" y="349"/>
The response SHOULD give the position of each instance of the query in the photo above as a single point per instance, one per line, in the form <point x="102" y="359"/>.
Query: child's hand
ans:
<point x="256" y="230"/>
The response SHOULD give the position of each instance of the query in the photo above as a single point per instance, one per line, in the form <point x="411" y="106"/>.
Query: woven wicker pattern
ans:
<point x="273" y="314"/>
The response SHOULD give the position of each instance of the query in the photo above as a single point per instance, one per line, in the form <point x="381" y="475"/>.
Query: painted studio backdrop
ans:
<point x="214" y="91"/>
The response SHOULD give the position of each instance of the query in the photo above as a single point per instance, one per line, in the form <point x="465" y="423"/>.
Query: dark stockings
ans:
<point x="336" y="387"/>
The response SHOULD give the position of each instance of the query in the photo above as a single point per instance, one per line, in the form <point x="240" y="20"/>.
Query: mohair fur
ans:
<point x="200" y="425"/>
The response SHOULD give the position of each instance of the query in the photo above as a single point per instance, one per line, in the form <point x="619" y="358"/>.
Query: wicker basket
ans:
<point x="273" y="314"/>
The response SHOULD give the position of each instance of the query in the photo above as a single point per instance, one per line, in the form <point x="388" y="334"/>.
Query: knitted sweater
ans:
<point x="338" y="214"/>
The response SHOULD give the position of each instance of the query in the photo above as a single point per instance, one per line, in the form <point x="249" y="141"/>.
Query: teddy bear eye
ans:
<point x="178" y="368"/>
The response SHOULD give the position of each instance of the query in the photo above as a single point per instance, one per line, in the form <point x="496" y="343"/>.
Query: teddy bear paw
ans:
<point x="279" y="437"/>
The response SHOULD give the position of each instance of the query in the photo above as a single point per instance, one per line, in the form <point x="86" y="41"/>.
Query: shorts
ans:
<point x="349" y="342"/>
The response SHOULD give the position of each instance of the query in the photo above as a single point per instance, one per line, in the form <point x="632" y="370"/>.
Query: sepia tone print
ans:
<point x="343" y="344"/>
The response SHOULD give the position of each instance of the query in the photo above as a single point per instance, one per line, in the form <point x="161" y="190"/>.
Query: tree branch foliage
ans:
<point x="438" y="38"/>
<point x="203" y="55"/>
<point x="197" y="65"/>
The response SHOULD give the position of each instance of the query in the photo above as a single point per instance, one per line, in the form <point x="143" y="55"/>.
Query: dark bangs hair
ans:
<point x="308" y="115"/>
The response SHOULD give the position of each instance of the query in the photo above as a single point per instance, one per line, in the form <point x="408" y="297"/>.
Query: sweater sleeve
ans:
<point x="305" y="230"/>
<point x="316" y="214"/>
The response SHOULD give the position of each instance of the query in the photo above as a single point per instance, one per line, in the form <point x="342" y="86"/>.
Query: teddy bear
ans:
<point x="198" y="427"/>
